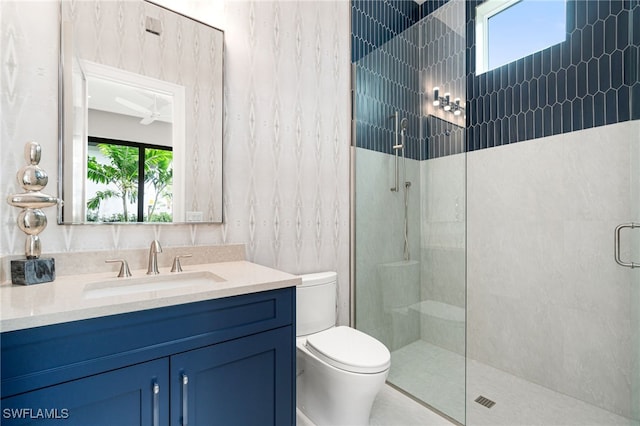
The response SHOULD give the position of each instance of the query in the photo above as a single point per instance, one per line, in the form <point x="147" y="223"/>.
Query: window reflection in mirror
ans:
<point x="128" y="182"/>
<point x="128" y="144"/>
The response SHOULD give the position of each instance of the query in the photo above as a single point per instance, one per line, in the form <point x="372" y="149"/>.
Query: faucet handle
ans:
<point x="177" y="267"/>
<point x="124" y="267"/>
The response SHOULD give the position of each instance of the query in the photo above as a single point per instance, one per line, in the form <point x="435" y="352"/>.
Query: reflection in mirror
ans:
<point x="141" y="115"/>
<point x="131" y="117"/>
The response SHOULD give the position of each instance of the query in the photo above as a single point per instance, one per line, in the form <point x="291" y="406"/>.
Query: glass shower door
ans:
<point x="626" y="251"/>
<point x="634" y="36"/>
<point x="409" y="254"/>
<point x="553" y="320"/>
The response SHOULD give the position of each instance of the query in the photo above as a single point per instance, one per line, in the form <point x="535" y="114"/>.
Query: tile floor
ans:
<point x="522" y="403"/>
<point x="420" y="362"/>
<point x="392" y="408"/>
<point x="518" y="402"/>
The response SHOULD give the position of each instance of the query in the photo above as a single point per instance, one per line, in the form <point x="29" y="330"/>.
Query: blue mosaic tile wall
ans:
<point x="375" y="22"/>
<point x="586" y="81"/>
<point x="442" y="138"/>
<point x="442" y="65"/>
<point x="386" y="53"/>
<point x="635" y="42"/>
<point x="386" y="81"/>
<point x="591" y="79"/>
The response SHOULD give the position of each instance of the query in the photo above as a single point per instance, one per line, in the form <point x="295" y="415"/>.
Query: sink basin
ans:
<point x="122" y="286"/>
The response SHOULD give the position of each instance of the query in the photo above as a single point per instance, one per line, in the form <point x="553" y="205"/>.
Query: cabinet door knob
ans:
<point x="185" y="406"/>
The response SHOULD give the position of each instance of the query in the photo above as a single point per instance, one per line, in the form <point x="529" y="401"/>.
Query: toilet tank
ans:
<point x="316" y="303"/>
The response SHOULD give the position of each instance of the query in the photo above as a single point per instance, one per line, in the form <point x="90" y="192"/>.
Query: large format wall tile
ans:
<point x="379" y="237"/>
<point x="545" y="299"/>
<point x="443" y="207"/>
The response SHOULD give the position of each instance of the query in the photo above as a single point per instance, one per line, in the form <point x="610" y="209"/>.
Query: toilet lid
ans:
<point x="349" y="349"/>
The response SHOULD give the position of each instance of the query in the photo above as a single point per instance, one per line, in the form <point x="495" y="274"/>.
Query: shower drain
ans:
<point x="484" y="401"/>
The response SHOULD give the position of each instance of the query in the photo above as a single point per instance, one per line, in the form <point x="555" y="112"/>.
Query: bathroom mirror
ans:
<point x="141" y="103"/>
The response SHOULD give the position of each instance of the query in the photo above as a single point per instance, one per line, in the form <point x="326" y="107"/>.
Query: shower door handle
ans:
<point x="619" y="228"/>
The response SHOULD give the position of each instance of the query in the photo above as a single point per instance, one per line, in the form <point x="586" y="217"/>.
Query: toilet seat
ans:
<point x="349" y="349"/>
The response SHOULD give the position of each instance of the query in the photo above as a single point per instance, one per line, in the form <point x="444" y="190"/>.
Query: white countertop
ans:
<point x="78" y="297"/>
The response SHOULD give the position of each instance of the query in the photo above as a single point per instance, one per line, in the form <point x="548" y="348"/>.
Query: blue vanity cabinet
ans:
<point x="228" y="361"/>
<point x="135" y="396"/>
<point x="243" y="382"/>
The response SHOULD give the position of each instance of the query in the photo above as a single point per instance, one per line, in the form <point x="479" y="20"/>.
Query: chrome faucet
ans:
<point x="153" y="257"/>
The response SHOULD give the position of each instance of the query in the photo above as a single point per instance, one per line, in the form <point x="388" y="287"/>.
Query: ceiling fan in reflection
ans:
<point x="150" y="115"/>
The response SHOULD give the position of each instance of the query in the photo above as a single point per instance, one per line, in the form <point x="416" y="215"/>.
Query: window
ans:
<point x="507" y="30"/>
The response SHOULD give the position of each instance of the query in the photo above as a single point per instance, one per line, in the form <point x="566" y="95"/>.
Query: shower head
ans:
<point x="403" y="127"/>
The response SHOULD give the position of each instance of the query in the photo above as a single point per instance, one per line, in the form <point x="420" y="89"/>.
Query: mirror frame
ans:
<point x="179" y="136"/>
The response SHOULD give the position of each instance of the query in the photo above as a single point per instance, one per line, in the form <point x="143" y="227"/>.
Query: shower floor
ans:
<point x="518" y="402"/>
<point x="420" y="363"/>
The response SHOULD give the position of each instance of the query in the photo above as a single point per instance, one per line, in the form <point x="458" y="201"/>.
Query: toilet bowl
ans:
<point x="340" y="370"/>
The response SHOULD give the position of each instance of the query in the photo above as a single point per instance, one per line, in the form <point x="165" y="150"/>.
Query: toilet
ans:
<point x="340" y="370"/>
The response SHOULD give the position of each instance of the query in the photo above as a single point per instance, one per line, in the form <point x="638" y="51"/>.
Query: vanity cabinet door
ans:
<point x="246" y="381"/>
<point x="120" y="397"/>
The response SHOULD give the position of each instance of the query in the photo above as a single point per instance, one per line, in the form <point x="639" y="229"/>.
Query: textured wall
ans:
<point x="286" y="136"/>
